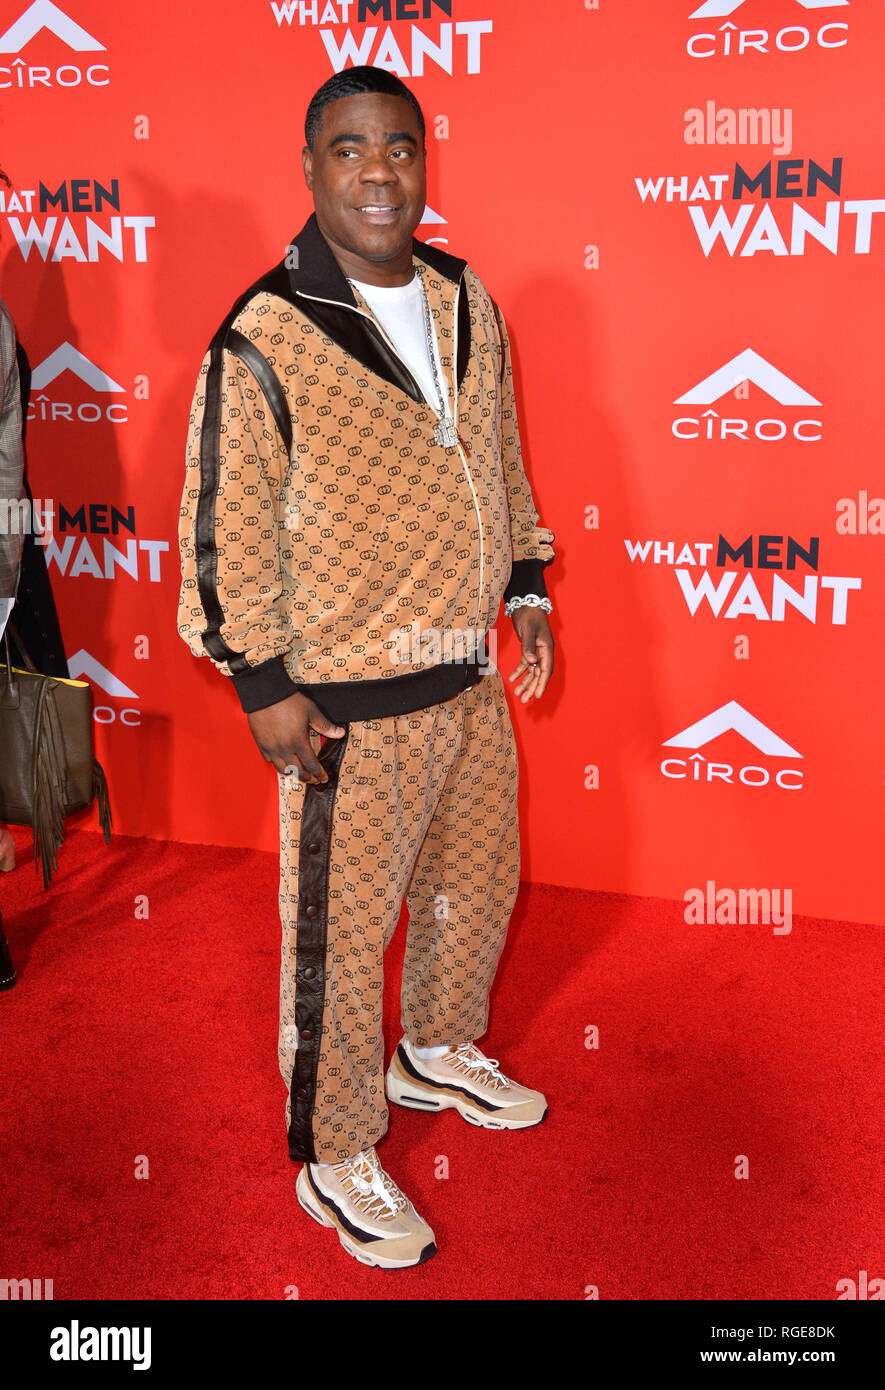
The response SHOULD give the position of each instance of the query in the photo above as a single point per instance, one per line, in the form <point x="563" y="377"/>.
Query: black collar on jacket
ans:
<point x="315" y="271"/>
<point x="318" y="272"/>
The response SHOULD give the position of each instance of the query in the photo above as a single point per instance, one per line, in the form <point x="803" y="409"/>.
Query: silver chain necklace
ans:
<point x="445" y="432"/>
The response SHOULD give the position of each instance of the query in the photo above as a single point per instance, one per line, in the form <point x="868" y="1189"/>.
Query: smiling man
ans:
<point x="354" y="475"/>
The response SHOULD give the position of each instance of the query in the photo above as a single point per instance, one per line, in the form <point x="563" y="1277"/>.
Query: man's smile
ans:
<point x="382" y="213"/>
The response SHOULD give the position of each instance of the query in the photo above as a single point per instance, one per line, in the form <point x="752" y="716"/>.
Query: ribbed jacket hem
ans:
<point x="263" y="685"/>
<point x="345" y="701"/>
<point x="526" y="577"/>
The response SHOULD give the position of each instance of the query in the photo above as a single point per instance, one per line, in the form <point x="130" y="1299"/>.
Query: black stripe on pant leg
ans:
<point x="311" y="927"/>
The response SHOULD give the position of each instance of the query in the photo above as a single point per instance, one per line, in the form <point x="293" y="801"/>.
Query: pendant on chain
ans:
<point x="445" y="433"/>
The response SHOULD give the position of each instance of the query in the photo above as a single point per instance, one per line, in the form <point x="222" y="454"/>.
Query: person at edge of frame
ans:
<point x="12" y="465"/>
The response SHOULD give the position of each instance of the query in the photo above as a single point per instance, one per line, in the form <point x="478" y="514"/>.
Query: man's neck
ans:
<point x="369" y="273"/>
<point x="398" y="271"/>
<point x="373" y="284"/>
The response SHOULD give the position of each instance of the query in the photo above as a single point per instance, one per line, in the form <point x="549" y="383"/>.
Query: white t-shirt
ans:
<point x="401" y="312"/>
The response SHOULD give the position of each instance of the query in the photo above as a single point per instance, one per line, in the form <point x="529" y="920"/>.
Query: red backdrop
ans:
<point x="552" y="133"/>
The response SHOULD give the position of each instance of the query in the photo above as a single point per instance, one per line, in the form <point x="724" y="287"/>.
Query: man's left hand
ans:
<point x="536" y="663"/>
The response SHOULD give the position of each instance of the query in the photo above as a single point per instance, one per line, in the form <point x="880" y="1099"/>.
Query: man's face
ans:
<point x="368" y="153"/>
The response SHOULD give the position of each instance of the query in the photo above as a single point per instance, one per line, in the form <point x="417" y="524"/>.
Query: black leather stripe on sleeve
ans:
<point x="268" y="683"/>
<point x="267" y="379"/>
<point x="206" y="552"/>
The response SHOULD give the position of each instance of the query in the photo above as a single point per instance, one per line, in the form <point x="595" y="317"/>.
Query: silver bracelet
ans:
<point x="529" y="601"/>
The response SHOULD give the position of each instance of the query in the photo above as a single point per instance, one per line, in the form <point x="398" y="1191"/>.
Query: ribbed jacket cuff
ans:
<point x="526" y="577"/>
<point x="267" y="684"/>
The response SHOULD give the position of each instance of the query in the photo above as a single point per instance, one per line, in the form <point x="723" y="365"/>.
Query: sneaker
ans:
<point x="465" y="1080"/>
<point x="375" y="1221"/>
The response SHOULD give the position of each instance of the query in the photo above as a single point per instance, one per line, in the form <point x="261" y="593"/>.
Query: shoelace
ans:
<point x="371" y="1182"/>
<point x="468" y="1059"/>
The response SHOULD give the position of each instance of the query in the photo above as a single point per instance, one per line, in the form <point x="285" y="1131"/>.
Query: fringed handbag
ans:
<point x="47" y="765"/>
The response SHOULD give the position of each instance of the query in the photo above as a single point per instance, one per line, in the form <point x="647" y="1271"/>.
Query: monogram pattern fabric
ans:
<point x="425" y="807"/>
<point x="327" y="554"/>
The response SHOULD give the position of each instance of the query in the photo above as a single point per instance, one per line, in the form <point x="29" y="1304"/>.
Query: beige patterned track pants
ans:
<point x="422" y="805"/>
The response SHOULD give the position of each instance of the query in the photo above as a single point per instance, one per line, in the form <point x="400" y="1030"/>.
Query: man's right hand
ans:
<point x="282" y="734"/>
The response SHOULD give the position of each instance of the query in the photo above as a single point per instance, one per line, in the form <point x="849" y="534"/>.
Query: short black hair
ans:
<point x="351" y="82"/>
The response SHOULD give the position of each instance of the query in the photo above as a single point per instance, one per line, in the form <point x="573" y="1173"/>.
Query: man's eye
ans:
<point x="403" y="150"/>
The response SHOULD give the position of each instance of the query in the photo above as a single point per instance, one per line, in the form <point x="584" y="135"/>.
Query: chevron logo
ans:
<point x="83" y="666"/>
<point x="67" y="358"/>
<point x="428" y="215"/>
<point x="717" y="9"/>
<point x="747" y="366"/>
<point x="44" y="15"/>
<point x="728" y="718"/>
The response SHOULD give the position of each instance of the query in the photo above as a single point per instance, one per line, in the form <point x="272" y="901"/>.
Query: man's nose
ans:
<point x="376" y="167"/>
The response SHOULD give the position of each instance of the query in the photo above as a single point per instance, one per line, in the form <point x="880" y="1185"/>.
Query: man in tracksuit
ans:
<point x="355" y="509"/>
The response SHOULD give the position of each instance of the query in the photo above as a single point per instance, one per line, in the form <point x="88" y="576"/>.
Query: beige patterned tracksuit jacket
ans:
<point x="330" y="545"/>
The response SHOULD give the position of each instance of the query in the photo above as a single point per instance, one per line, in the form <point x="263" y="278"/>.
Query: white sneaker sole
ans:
<point x="308" y="1202"/>
<point x="404" y="1093"/>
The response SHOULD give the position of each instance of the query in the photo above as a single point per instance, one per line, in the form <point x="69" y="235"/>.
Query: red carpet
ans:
<point x="157" y="1038"/>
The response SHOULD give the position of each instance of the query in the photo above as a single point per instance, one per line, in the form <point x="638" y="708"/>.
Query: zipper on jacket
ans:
<point x="464" y="460"/>
<point x="377" y="324"/>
